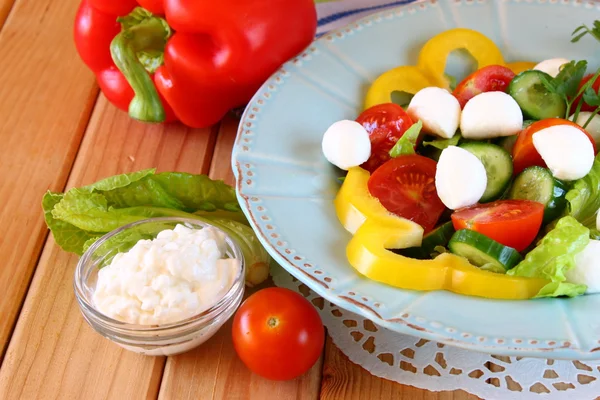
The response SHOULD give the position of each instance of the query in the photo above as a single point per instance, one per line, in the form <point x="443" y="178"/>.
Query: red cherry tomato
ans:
<point x="493" y="78"/>
<point x="405" y="186"/>
<point x="386" y="123"/>
<point x="278" y="334"/>
<point x="524" y="152"/>
<point x="595" y="86"/>
<point x="514" y="223"/>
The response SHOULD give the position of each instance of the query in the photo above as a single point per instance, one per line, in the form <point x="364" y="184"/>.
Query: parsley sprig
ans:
<point x="583" y="30"/>
<point x="567" y="84"/>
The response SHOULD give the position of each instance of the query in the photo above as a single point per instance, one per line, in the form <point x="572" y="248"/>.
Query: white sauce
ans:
<point x="179" y="274"/>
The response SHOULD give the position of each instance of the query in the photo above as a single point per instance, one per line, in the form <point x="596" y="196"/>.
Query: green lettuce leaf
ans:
<point x="199" y="192"/>
<point x="118" y="181"/>
<point x="175" y="190"/>
<point x="556" y="289"/>
<point x="493" y="268"/>
<point x="441" y="144"/>
<point x="554" y="255"/>
<point x="406" y="144"/>
<point x="90" y="212"/>
<point x="69" y="237"/>
<point x="583" y="200"/>
<point x="81" y="216"/>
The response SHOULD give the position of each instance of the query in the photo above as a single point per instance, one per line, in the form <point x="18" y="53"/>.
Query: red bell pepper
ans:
<point x="188" y="60"/>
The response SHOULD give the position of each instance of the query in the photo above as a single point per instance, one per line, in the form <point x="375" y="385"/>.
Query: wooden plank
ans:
<point x="46" y="98"/>
<point x="54" y="354"/>
<point x="213" y="370"/>
<point x="344" y="379"/>
<point x="5" y="7"/>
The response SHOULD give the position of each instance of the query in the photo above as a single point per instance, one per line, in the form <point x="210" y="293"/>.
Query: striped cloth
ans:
<point x="333" y="14"/>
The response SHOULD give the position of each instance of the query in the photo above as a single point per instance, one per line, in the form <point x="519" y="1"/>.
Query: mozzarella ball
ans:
<point x="566" y="150"/>
<point x="438" y="109"/>
<point x="346" y="144"/>
<point x="593" y="128"/>
<point x="460" y="178"/>
<point x="551" y="66"/>
<point x="489" y="115"/>
<point x="587" y="268"/>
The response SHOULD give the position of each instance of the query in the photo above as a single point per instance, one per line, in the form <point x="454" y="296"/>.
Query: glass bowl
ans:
<point x="153" y="340"/>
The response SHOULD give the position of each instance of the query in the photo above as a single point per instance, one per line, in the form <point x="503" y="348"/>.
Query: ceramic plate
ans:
<point x="286" y="186"/>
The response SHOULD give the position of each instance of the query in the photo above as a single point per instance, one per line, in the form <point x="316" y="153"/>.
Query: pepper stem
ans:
<point x="143" y="37"/>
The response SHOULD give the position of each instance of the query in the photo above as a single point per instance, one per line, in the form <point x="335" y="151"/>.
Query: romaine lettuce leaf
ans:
<point x="556" y="289"/>
<point x="81" y="216"/>
<point x="553" y="256"/>
<point x="69" y="237"/>
<point x="441" y="144"/>
<point x="583" y="200"/>
<point x="118" y="181"/>
<point x="406" y="144"/>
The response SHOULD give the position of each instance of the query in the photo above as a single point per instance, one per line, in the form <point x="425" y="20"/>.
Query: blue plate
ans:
<point x="286" y="187"/>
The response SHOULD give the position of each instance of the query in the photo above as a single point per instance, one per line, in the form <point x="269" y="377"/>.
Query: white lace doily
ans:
<point x="436" y="367"/>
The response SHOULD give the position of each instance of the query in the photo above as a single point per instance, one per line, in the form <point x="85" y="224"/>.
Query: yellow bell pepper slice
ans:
<point x="519" y="66"/>
<point x="432" y="64"/>
<point x="376" y="230"/>
<point x="433" y="55"/>
<point x="406" y="78"/>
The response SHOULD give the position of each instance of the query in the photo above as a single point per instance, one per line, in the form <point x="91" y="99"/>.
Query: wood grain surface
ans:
<point x="5" y="7"/>
<point x="46" y="97"/>
<point x="54" y="354"/>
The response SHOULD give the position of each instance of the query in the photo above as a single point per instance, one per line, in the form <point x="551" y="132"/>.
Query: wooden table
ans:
<point x="58" y="132"/>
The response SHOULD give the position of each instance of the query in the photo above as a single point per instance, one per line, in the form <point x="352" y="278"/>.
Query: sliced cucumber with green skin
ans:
<point x="437" y="237"/>
<point x="508" y="142"/>
<point x="528" y="122"/>
<point x="498" y="167"/>
<point x="480" y="250"/>
<point x="535" y="100"/>
<point x="537" y="184"/>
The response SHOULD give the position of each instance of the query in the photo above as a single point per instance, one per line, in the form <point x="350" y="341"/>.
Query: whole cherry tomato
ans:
<point x="278" y="334"/>
<point x="386" y="123"/>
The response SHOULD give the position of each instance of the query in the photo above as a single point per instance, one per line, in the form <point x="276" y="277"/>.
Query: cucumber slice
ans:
<point x="480" y="250"/>
<point x="528" y="122"/>
<point x="508" y="142"/>
<point x="437" y="237"/>
<point x="498" y="167"/>
<point x="535" y="100"/>
<point x="537" y="184"/>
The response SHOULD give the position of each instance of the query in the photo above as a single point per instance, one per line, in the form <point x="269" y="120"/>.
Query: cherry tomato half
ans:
<point x="386" y="123"/>
<point x="514" y="223"/>
<point x="493" y="78"/>
<point x="595" y="86"/>
<point x="524" y="152"/>
<point x="405" y="186"/>
<point x="278" y="334"/>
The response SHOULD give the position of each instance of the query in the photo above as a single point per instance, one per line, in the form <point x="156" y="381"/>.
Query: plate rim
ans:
<point x="509" y="346"/>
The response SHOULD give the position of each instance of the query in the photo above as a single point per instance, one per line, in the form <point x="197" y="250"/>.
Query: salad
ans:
<point x="487" y="187"/>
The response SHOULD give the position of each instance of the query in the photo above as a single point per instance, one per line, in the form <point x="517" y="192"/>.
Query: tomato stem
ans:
<point x="273" y="322"/>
